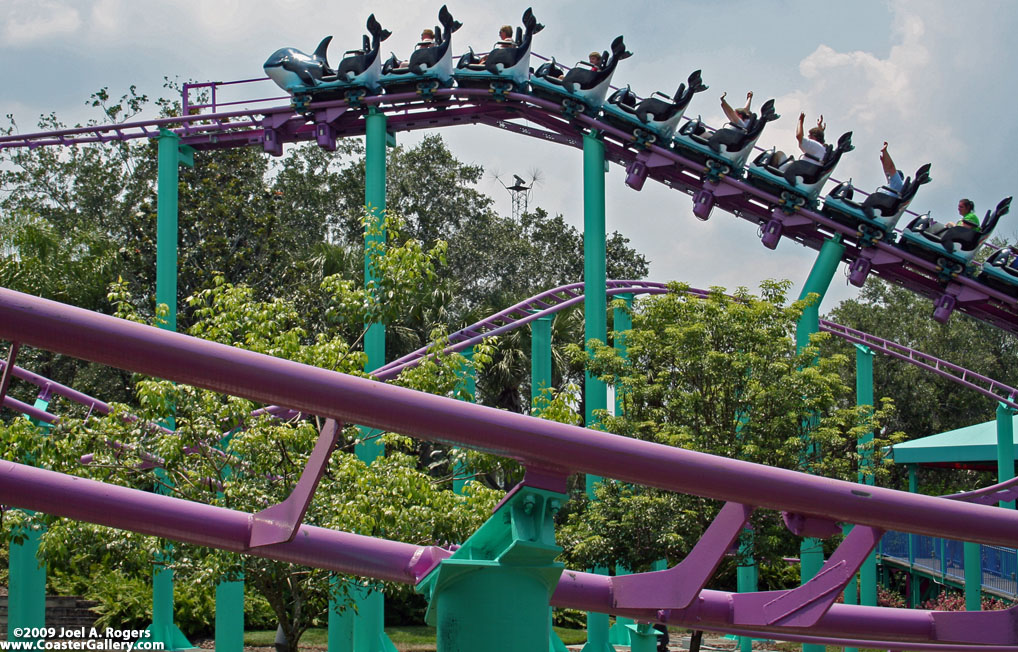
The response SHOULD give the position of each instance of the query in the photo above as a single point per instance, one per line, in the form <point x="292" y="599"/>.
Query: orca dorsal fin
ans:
<point x="322" y="49"/>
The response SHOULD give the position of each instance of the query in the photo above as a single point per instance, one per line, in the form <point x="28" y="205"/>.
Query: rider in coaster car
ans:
<point x="895" y="177"/>
<point x="738" y="118"/>
<point x="967" y="210"/>
<point x="505" y="40"/>
<point x="813" y="148"/>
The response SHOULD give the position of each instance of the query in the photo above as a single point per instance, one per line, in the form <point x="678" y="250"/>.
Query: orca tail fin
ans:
<point x="322" y="49"/>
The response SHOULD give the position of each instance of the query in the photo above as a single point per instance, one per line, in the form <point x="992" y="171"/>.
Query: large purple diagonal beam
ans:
<point x="678" y="586"/>
<point x="279" y="523"/>
<point x="547" y="445"/>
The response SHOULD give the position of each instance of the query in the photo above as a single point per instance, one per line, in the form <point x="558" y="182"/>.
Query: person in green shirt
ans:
<point x="968" y="215"/>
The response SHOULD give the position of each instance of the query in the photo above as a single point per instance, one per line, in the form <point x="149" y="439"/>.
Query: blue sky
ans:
<point x="935" y="78"/>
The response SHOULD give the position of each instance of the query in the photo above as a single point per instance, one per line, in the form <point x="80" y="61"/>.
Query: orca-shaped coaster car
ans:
<point x="875" y="218"/>
<point x="506" y="68"/>
<point x="654" y="118"/>
<point x="584" y="87"/>
<point x="951" y="248"/>
<point x="309" y="78"/>
<point x="1000" y="271"/>
<point x="429" y="68"/>
<point x="726" y="150"/>
<point x="797" y="182"/>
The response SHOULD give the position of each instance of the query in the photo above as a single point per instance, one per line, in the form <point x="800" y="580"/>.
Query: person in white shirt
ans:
<point x="813" y="147"/>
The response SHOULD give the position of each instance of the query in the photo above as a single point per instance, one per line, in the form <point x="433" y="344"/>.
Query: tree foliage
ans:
<point x="928" y="404"/>
<point x="719" y="375"/>
<point x="218" y="454"/>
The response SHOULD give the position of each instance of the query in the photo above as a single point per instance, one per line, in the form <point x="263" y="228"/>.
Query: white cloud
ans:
<point x="892" y="98"/>
<point x="105" y="16"/>
<point x="28" y="21"/>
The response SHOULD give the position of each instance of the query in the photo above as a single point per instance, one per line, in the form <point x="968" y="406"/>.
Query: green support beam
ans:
<point x="540" y="360"/>
<point x="367" y="633"/>
<point x="512" y="554"/>
<point x="811" y="551"/>
<point x="26" y="583"/>
<point x="26" y="599"/>
<point x="468" y="383"/>
<point x="230" y="616"/>
<point x="864" y="396"/>
<point x="595" y="392"/>
<point x="1005" y="447"/>
<point x="171" y="155"/>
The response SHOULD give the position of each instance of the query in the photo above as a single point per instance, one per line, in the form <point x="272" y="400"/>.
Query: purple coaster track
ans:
<point x="567" y="296"/>
<point x="549" y="451"/>
<point x="271" y="127"/>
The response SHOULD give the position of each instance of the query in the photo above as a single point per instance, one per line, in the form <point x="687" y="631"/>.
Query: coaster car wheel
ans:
<point x="354" y="97"/>
<point x="426" y="89"/>
<point x="571" y="108"/>
<point x="717" y="169"/>
<point x="499" y="88"/>
<point x="642" y="138"/>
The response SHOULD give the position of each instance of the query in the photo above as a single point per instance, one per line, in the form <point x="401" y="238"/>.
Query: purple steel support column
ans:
<point x="279" y="523"/>
<point x="678" y="586"/>
<point x="5" y="376"/>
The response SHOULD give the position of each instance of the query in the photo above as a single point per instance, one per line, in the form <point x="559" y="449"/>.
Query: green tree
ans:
<point x="719" y="375"/>
<point x="928" y="404"/>
<point x="217" y="454"/>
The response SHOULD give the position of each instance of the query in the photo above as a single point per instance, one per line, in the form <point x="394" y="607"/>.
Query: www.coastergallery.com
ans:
<point x="52" y="638"/>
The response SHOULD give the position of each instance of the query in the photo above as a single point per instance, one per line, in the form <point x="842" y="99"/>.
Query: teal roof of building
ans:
<point x="977" y="443"/>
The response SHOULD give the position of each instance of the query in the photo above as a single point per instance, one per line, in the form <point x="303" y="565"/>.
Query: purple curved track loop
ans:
<point x="545" y="445"/>
<point x="407" y="111"/>
<point x="551" y="301"/>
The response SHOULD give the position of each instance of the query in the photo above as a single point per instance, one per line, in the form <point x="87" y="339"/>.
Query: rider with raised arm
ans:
<point x="895" y="178"/>
<point x="812" y="148"/>
<point x="739" y="118"/>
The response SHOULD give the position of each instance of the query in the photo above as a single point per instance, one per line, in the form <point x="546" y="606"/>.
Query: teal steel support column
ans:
<point x="468" y="383"/>
<point x="230" y="616"/>
<point x="622" y="321"/>
<point x="594" y="268"/>
<point x="1005" y="447"/>
<point x="817" y="282"/>
<point x="540" y="380"/>
<point x="26" y="601"/>
<point x="540" y="362"/>
<point x="746" y="575"/>
<point x="26" y="583"/>
<point x="811" y="551"/>
<point x="621" y="633"/>
<point x="368" y="632"/>
<point x="163" y="628"/>
<point x="864" y="396"/>
<point x="171" y="155"/>
<point x="973" y="576"/>
<point x="374" y="244"/>
<point x="595" y="393"/>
